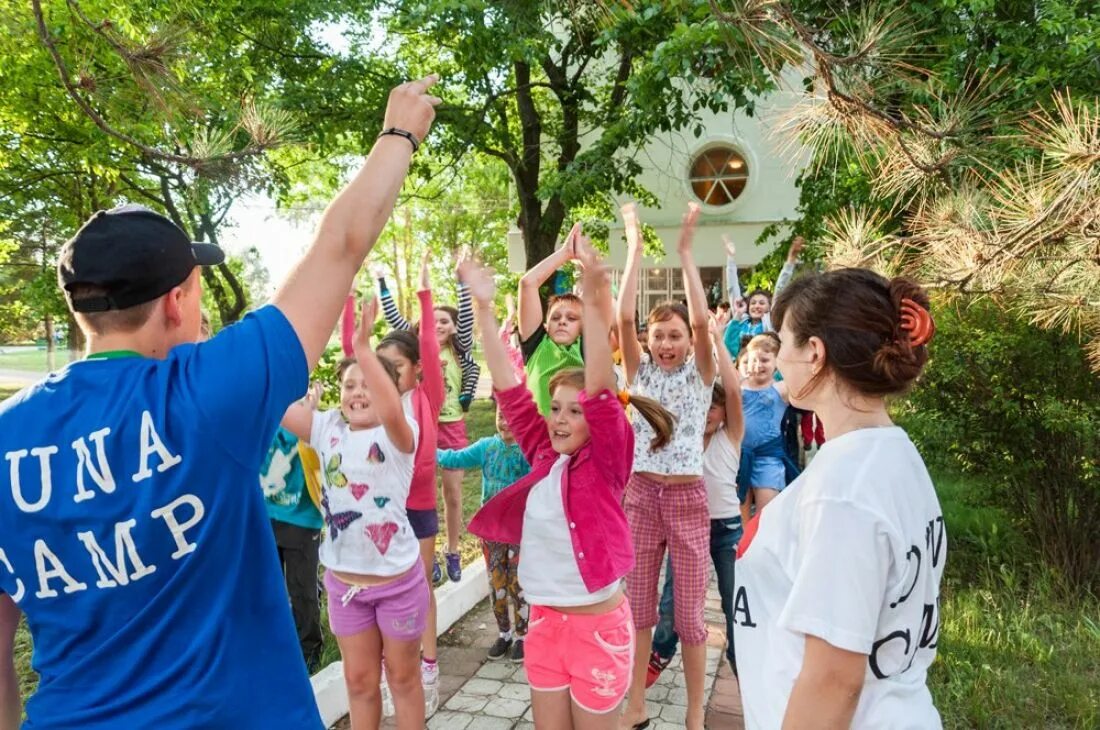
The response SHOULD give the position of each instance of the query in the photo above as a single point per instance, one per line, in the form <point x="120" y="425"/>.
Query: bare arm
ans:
<point x="384" y="396"/>
<point x="11" y="706"/>
<point x="482" y="288"/>
<point x="696" y="297"/>
<point x="298" y="419"/>
<point x="627" y="310"/>
<point x="826" y="692"/>
<point x="731" y="383"/>
<point x="530" y="304"/>
<point x="313" y="293"/>
<point x="599" y="375"/>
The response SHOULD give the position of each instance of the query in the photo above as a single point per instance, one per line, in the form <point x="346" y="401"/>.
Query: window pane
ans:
<point x="718" y="175"/>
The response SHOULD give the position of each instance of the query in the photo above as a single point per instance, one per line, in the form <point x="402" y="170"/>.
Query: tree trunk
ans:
<point x="51" y="351"/>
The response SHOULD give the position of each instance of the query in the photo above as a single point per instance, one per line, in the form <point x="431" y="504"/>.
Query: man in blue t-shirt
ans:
<point x="296" y="524"/>
<point x="132" y="536"/>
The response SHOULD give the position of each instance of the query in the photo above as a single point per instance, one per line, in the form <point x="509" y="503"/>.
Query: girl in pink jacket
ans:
<point x="567" y="511"/>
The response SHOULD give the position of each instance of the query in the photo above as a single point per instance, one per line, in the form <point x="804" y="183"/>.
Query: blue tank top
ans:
<point x="764" y="411"/>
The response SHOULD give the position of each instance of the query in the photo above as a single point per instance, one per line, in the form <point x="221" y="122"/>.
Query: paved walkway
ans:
<point x="476" y="694"/>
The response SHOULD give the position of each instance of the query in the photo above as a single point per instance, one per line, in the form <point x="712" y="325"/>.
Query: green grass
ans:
<point x="1013" y="652"/>
<point x="31" y="359"/>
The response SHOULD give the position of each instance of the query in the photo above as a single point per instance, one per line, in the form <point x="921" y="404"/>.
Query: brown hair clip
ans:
<point x="917" y="322"/>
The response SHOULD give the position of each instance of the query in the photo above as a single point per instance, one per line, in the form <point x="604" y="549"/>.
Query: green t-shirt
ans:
<point x="452" y="386"/>
<point x="542" y="357"/>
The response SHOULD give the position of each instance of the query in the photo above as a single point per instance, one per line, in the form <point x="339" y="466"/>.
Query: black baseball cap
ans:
<point x="134" y="253"/>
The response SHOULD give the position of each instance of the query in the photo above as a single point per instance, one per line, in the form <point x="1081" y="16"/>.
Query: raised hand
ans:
<point x="411" y="108"/>
<point x="796" y="249"/>
<point x="687" y="228"/>
<point x="740" y="306"/>
<point x="376" y="271"/>
<point x="366" y="323"/>
<point x="731" y="249"/>
<point x="314" y="394"/>
<point x="478" y="280"/>
<point x="633" y="226"/>
<point x="425" y="274"/>
<point x="568" y="245"/>
<point x="462" y="255"/>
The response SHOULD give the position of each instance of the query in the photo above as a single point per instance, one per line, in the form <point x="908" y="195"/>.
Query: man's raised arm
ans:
<point x="314" y="291"/>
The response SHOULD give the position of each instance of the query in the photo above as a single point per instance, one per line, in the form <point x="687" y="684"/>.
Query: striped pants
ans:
<point x="672" y="516"/>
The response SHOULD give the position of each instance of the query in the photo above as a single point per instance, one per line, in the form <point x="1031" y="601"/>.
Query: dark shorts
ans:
<point x="425" y="522"/>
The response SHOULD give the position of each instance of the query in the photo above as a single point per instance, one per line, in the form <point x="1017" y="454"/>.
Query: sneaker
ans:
<point x="454" y="566"/>
<point x="437" y="573"/>
<point x="657" y="664"/>
<point x="516" y="655"/>
<point x="499" y="649"/>
<point x="387" y="697"/>
<point x="429" y="678"/>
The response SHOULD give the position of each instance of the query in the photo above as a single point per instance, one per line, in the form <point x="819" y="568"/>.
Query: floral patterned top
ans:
<point x="683" y="392"/>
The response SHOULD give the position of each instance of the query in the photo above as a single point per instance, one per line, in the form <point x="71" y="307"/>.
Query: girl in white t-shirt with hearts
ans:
<point x="836" y="610"/>
<point x="377" y="590"/>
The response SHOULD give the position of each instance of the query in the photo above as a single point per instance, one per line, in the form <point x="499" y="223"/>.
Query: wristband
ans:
<point x="402" y="133"/>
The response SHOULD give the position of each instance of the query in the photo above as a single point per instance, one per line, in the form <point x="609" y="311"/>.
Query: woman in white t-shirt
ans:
<point x="836" y="612"/>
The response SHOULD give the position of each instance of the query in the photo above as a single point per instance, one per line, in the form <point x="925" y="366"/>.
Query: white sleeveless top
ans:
<point x="683" y="392"/>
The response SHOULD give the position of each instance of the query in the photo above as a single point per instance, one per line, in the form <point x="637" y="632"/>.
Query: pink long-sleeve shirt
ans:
<point x="592" y="486"/>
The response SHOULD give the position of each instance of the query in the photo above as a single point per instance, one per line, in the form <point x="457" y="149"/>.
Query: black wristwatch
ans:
<point x="402" y="133"/>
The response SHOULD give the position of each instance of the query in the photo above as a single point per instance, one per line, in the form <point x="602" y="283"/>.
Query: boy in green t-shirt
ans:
<point x="556" y="343"/>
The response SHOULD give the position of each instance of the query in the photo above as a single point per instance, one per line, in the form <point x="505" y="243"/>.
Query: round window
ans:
<point x="718" y="175"/>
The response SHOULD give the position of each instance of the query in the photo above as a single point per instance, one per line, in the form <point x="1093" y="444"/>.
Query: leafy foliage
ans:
<point x="1018" y="407"/>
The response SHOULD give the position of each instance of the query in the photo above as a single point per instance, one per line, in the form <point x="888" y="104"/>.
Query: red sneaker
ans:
<point x="657" y="664"/>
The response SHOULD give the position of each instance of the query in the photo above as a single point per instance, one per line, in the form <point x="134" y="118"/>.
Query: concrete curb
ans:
<point x="453" y="601"/>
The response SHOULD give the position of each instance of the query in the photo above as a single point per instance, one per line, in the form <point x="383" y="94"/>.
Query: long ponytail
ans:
<point x="657" y="416"/>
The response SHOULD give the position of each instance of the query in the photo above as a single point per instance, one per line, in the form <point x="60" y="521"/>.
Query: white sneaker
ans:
<point x="429" y="677"/>
<point x="387" y="698"/>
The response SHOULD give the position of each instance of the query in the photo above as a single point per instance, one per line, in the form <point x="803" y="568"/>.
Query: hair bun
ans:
<point x="898" y="361"/>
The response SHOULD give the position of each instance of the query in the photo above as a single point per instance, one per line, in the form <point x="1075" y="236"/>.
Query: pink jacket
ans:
<point x="427" y="400"/>
<point x="592" y="486"/>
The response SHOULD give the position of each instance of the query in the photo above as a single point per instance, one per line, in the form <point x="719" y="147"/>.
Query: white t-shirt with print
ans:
<point x="852" y="552"/>
<point x="684" y="394"/>
<point x="720" y="463"/>
<point x="365" y="488"/>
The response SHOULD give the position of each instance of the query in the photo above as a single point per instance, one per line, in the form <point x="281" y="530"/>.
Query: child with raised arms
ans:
<point x="378" y="594"/>
<point x="725" y="427"/>
<point x="502" y="463"/>
<point x="568" y="512"/>
<point x="766" y="468"/>
<point x="556" y="343"/>
<point x="666" y="499"/>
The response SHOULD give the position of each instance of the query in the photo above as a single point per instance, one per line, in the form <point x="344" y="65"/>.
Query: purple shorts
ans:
<point x="425" y="522"/>
<point x="399" y="608"/>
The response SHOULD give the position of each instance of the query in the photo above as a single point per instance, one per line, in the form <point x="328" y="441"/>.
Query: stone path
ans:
<point x="496" y="695"/>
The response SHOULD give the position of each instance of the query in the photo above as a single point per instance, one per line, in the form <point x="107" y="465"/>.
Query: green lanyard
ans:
<point x="113" y="355"/>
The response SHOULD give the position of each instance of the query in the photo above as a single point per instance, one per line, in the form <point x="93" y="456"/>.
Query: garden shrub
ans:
<point x="1019" y="408"/>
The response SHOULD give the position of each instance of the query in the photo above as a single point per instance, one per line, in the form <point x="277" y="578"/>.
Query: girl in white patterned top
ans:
<point x="666" y="498"/>
<point x="377" y="590"/>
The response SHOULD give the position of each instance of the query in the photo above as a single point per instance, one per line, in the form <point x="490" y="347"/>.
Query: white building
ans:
<point x="739" y="170"/>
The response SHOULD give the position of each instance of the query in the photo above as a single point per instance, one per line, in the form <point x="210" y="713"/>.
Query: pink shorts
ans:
<point x="452" y="435"/>
<point x="591" y="655"/>
<point x="399" y="608"/>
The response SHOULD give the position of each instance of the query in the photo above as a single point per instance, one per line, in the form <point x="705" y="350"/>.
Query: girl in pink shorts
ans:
<point x="666" y="499"/>
<point x="377" y="591"/>
<point x="567" y="513"/>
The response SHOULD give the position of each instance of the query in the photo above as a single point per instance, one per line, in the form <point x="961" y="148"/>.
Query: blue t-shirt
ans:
<point x="134" y="540"/>
<point x="283" y="482"/>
